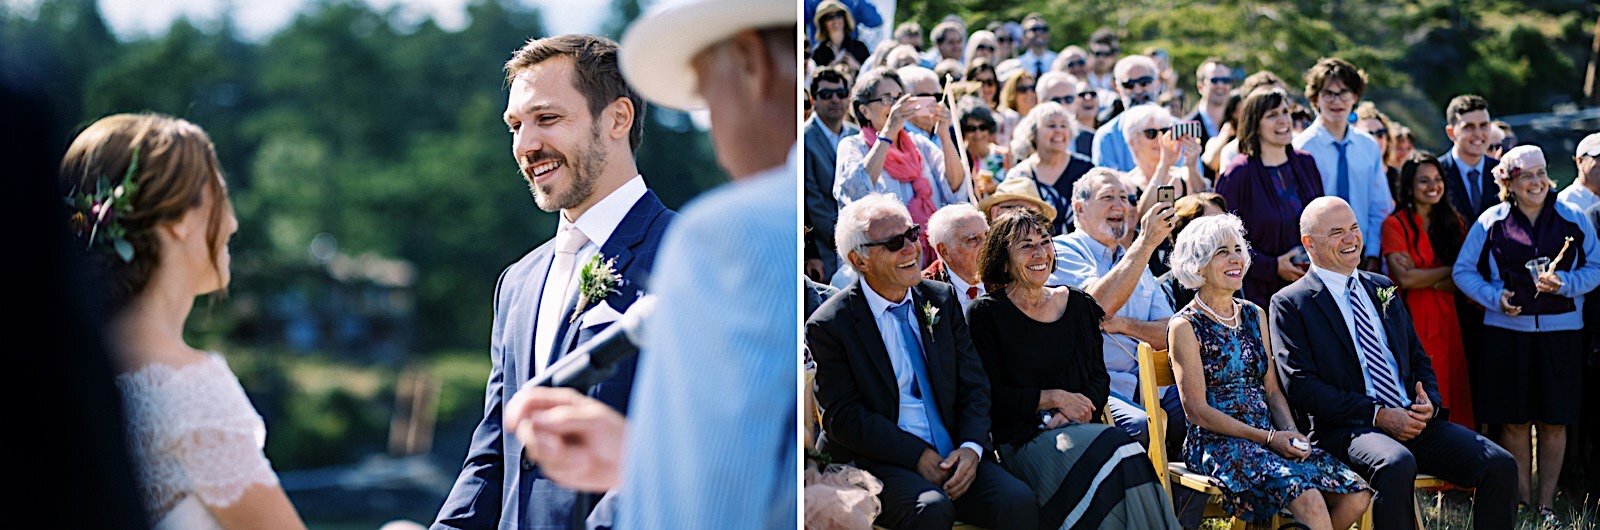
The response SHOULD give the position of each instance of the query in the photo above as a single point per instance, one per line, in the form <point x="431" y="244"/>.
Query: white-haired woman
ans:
<point x="1156" y="151"/>
<point x="1046" y="134"/>
<point x="982" y="45"/>
<point x="1240" y="428"/>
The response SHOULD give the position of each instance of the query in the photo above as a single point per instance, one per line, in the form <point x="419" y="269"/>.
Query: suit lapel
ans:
<point x="871" y="340"/>
<point x="1330" y="311"/>
<point x="630" y="232"/>
<point x="1397" y="341"/>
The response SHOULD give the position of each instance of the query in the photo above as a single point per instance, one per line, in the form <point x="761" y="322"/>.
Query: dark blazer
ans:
<point x="1453" y="187"/>
<point x="855" y="383"/>
<point x="1316" y="355"/>
<point x="497" y="488"/>
<point x="822" y="209"/>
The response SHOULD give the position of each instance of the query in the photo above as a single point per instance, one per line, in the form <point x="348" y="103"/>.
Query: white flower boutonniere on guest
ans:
<point x="931" y="314"/>
<point x="596" y="281"/>
<point x="1386" y="295"/>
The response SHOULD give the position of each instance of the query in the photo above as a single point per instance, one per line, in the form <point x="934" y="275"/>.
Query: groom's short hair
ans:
<point x="598" y="77"/>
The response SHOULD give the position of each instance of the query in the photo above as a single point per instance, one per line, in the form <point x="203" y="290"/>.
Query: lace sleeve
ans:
<point x="221" y="465"/>
<point x="201" y="435"/>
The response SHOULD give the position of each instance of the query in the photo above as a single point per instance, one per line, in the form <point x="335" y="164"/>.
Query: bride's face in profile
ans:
<point x="186" y="245"/>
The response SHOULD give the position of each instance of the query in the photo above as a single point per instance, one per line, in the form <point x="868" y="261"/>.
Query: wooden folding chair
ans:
<point x="1155" y="371"/>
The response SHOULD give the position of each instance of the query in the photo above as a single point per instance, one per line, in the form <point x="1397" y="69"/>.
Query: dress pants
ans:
<point x="996" y="499"/>
<point x="1443" y="449"/>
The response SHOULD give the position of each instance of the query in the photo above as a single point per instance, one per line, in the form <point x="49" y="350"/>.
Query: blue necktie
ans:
<point x="1383" y="380"/>
<point x="923" y="389"/>
<point x="1343" y="173"/>
<point x="1473" y="184"/>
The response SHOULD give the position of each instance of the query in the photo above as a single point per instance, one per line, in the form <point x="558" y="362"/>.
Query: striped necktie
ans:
<point x="1384" y="384"/>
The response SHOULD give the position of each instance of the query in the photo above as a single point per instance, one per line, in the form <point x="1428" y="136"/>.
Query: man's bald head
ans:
<point x="1331" y="235"/>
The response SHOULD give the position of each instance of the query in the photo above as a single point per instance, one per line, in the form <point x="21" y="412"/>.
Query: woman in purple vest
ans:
<point x="1267" y="188"/>
<point x="1530" y="260"/>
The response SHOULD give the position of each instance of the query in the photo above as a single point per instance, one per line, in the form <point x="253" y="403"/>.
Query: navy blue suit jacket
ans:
<point x="1321" y="376"/>
<point x="497" y="488"/>
<point x="1457" y="191"/>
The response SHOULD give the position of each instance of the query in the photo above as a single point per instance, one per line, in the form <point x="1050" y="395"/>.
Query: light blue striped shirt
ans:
<point x="1369" y="182"/>
<point x="712" y="440"/>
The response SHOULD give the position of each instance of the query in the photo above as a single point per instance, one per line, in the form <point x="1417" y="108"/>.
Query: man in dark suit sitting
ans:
<point x="1364" y="391"/>
<point x="903" y="393"/>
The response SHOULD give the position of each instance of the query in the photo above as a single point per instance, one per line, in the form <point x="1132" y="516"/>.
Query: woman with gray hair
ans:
<point x="1240" y="428"/>
<point x="1046" y="134"/>
<point x="1157" y="147"/>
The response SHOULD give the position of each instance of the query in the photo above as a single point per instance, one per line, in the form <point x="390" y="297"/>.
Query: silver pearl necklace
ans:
<point x="1230" y="321"/>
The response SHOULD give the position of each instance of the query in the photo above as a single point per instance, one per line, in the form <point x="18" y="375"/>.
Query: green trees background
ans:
<point x="350" y="122"/>
<point x="1524" y="56"/>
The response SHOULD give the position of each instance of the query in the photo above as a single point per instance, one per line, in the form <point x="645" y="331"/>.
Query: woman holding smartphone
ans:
<point x="885" y="158"/>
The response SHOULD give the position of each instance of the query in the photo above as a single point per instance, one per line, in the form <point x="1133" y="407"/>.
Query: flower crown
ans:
<point x="96" y="213"/>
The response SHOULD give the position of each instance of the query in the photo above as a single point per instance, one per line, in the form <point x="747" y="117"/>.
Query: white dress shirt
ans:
<point x="1369" y="181"/>
<point x="961" y="289"/>
<point x="913" y="417"/>
<point x="1336" y="284"/>
<point x="596" y="224"/>
<point x="1577" y="196"/>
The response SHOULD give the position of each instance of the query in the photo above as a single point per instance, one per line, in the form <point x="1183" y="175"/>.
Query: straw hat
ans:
<point x="1017" y="189"/>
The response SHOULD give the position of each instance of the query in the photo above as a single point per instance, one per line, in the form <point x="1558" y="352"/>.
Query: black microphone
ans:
<point x="594" y="361"/>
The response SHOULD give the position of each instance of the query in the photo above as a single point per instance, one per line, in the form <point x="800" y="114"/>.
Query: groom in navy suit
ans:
<point x="575" y="125"/>
<point x="1361" y="386"/>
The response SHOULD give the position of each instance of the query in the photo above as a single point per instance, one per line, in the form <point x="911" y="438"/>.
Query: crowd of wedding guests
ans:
<point x="994" y="227"/>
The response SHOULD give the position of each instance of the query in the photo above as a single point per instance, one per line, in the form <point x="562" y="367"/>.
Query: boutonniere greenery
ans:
<point x="597" y="280"/>
<point x="931" y="314"/>
<point x="97" y="213"/>
<point x="1386" y="295"/>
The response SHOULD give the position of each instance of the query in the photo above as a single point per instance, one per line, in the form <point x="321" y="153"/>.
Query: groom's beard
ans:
<point x="580" y="182"/>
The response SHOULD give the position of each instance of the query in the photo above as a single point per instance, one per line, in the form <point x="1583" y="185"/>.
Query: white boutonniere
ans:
<point x="596" y="281"/>
<point x="931" y="314"/>
<point x="1386" y="295"/>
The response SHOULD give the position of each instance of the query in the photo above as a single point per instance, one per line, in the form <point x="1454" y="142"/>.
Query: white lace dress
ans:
<point x="196" y="440"/>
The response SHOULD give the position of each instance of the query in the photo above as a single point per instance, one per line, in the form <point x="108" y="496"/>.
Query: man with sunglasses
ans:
<point x="1007" y="35"/>
<point x="1350" y="161"/>
<point x="1213" y="81"/>
<point x="829" y="94"/>
<point x="903" y="393"/>
<point x="1103" y="48"/>
<point x="1137" y="84"/>
<point x="1036" y="38"/>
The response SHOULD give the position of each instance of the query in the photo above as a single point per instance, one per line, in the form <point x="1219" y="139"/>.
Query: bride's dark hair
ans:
<point x="176" y="171"/>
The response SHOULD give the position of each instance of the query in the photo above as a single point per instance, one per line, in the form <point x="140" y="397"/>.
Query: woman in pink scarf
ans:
<point x="886" y="158"/>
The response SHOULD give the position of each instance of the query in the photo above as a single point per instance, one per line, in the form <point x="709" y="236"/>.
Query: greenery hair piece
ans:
<point x="97" y="214"/>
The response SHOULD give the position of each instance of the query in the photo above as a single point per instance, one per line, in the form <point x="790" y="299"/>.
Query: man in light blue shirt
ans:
<point x="1349" y="160"/>
<point x="727" y="305"/>
<point x="1092" y="258"/>
<point x="1137" y="84"/>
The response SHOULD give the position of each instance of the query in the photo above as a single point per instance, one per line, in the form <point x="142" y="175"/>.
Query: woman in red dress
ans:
<point x="1420" y="242"/>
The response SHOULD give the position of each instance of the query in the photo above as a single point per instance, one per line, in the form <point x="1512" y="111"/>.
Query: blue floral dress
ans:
<point x="1256" y="482"/>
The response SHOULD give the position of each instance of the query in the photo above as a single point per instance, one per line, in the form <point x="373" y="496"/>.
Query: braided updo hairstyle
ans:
<point x="177" y="171"/>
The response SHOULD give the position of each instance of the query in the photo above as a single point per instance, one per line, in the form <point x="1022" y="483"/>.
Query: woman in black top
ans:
<point x="1041" y="350"/>
<point x="835" y="40"/>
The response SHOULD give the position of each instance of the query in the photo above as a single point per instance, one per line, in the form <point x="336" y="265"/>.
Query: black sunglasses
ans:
<point x="981" y="127"/>
<point x="1104" y="53"/>
<point x="898" y="241"/>
<point x="832" y="93"/>
<point x="833" y="15"/>
<point x="1380" y="133"/>
<point x="1151" y="134"/>
<point x="1137" y="81"/>
<point x="1064" y="100"/>
<point x="985" y="48"/>
<point x="1076" y="63"/>
<point x="1088" y="94"/>
<point x="1003" y="40"/>
<point x="1024" y="89"/>
<point x="1221" y="80"/>
<point x="1039" y="29"/>
<point x="987" y="82"/>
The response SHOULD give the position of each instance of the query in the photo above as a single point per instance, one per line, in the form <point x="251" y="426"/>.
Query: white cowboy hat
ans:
<point x="657" y="48"/>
